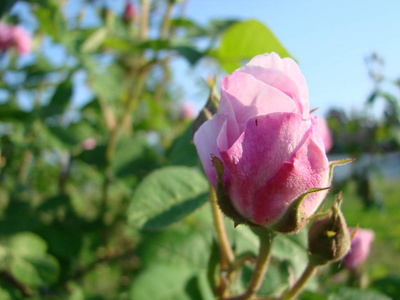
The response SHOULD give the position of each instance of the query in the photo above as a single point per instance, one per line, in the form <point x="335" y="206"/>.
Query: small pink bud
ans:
<point x="130" y="11"/>
<point x="14" y="36"/>
<point x="89" y="144"/>
<point x="360" y="247"/>
<point x="188" y="111"/>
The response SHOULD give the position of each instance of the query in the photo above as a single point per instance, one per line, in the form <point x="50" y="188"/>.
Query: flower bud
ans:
<point x="360" y="247"/>
<point x="329" y="237"/>
<point x="129" y="12"/>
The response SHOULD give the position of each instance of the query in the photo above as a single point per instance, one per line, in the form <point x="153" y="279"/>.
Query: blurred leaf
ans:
<point x="35" y="271"/>
<point x="95" y="157"/>
<point x="191" y="54"/>
<point x="134" y="156"/>
<point x="60" y="98"/>
<point x="74" y="134"/>
<point x="26" y="244"/>
<point x="30" y="264"/>
<point x="182" y="151"/>
<point x="166" y="196"/>
<point x="51" y="20"/>
<point x="162" y="282"/>
<point x="244" y="40"/>
<point x="346" y="293"/>
<point x="94" y="41"/>
<point x="389" y="285"/>
<point x="178" y="245"/>
<point x="6" y="6"/>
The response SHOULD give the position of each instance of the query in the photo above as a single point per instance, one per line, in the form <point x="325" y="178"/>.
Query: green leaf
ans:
<point x="244" y="40"/>
<point x="346" y="293"/>
<point x="389" y="285"/>
<point x="30" y="264"/>
<point x="178" y="245"/>
<point x="35" y="271"/>
<point x="162" y="282"/>
<point x="192" y="55"/>
<point x="60" y="99"/>
<point x="26" y="244"/>
<point x="94" y="41"/>
<point x="167" y="196"/>
<point x="134" y="156"/>
<point x="182" y="150"/>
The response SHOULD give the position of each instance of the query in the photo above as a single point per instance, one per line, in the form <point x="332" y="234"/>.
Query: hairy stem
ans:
<point x="301" y="282"/>
<point x="261" y="267"/>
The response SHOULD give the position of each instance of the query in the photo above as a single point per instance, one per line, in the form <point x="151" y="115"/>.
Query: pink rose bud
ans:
<point x="360" y="247"/>
<point x="89" y="144"/>
<point x="14" y="36"/>
<point x="130" y="11"/>
<point x="325" y="133"/>
<point x="272" y="156"/>
<point x="22" y="40"/>
<point x="6" y="37"/>
<point x="188" y="111"/>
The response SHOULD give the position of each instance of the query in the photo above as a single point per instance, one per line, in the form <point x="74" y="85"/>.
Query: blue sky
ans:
<point x="330" y="40"/>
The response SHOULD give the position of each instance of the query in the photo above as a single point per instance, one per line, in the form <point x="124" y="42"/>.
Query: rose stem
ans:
<point x="261" y="265"/>
<point x="223" y="241"/>
<point x="298" y="287"/>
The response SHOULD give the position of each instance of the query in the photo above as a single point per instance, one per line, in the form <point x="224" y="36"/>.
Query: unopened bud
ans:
<point x="329" y="237"/>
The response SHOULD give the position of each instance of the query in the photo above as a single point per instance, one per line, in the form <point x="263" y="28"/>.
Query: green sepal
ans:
<point x="340" y="162"/>
<point x="211" y="107"/>
<point x="329" y="238"/>
<point x="294" y="218"/>
<point x="223" y="200"/>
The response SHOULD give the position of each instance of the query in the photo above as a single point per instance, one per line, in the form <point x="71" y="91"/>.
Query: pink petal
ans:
<point x="290" y="68"/>
<point x="306" y="169"/>
<point x="267" y="143"/>
<point x="208" y="138"/>
<point x="250" y="97"/>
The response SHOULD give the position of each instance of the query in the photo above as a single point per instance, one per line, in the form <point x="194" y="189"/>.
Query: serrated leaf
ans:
<point x="191" y="54"/>
<point x="167" y="196"/>
<point x="244" y="40"/>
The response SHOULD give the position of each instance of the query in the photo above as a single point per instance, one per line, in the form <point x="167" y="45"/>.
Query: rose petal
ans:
<point x="290" y="68"/>
<point x="267" y="143"/>
<point x="207" y="139"/>
<point x="306" y="169"/>
<point x="250" y="97"/>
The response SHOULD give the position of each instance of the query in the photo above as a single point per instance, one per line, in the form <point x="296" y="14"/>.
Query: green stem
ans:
<point x="223" y="241"/>
<point x="300" y="284"/>
<point x="262" y="262"/>
<point x="166" y="21"/>
<point x="144" y="19"/>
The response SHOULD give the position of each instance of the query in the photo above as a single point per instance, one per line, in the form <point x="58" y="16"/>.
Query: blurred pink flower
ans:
<point x="270" y="147"/>
<point x="22" y="40"/>
<point x="360" y="247"/>
<point x="130" y="11"/>
<point x="89" y="144"/>
<point x="14" y="36"/>
<point x="325" y="133"/>
<point x="188" y="111"/>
